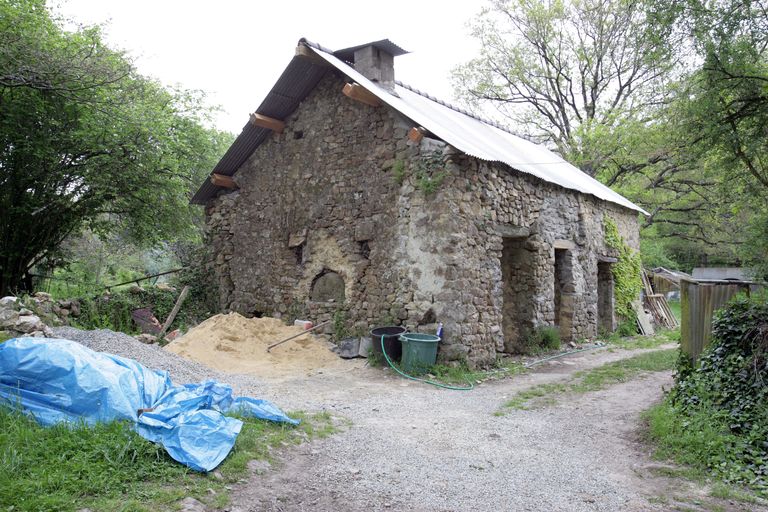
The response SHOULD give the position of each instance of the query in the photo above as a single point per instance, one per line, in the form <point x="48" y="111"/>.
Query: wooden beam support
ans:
<point x="417" y="133"/>
<point x="359" y="93"/>
<point x="311" y="55"/>
<point x="267" y="122"/>
<point x="221" y="180"/>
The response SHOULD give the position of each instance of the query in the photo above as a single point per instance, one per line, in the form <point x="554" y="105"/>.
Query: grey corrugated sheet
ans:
<point x="465" y="132"/>
<point x="698" y="302"/>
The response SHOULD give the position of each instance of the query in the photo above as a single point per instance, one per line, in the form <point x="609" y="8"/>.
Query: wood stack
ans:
<point x="657" y="305"/>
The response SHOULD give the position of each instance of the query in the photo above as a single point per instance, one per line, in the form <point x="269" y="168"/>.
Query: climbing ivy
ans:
<point x="626" y="271"/>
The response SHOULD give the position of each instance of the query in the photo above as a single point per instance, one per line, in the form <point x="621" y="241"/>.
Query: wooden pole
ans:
<point x="297" y="335"/>
<point x="174" y="312"/>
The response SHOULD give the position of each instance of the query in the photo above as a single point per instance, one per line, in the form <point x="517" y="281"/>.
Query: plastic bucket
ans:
<point x="391" y="342"/>
<point x="419" y="352"/>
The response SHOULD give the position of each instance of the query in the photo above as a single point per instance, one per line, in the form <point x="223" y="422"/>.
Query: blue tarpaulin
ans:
<point x="63" y="381"/>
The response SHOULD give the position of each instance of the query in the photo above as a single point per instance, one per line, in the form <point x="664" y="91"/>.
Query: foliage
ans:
<point x="541" y="339"/>
<point x="643" y="342"/>
<point x="595" y="379"/>
<point x="428" y="169"/>
<point x="716" y="416"/>
<point x="341" y="328"/>
<point x="574" y="75"/>
<point x="113" y="310"/>
<point x="398" y="171"/>
<point x="626" y="271"/>
<point x="88" y="142"/>
<point x="110" y="467"/>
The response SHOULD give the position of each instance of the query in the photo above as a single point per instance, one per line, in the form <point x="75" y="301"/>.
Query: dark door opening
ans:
<point x="518" y="310"/>
<point x="565" y="291"/>
<point x="606" y="316"/>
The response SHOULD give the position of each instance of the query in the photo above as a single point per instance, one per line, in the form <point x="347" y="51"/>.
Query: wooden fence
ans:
<point x="698" y="302"/>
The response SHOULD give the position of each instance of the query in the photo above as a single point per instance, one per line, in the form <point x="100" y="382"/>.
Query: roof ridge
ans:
<point x="458" y="109"/>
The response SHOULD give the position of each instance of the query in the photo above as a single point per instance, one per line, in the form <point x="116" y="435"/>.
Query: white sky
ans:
<point x="235" y="50"/>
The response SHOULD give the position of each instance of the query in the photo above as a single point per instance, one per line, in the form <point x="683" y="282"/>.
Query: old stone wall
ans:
<point x="342" y="216"/>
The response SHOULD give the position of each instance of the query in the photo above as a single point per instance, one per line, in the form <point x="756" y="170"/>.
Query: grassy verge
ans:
<point x="662" y="337"/>
<point x="594" y="379"/>
<point x="704" y="444"/>
<point x="110" y="467"/>
<point x="461" y="374"/>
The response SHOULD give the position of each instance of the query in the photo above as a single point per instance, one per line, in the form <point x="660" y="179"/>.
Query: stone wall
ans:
<point x="342" y="200"/>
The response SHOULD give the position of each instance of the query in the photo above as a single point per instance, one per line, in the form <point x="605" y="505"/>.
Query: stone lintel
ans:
<point x="512" y="231"/>
<point x="564" y="244"/>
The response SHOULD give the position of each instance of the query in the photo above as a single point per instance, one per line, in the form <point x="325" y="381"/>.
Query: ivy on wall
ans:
<point x="626" y="271"/>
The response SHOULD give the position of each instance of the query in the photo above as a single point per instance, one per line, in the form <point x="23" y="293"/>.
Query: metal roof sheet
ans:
<point x="471" y="135"/>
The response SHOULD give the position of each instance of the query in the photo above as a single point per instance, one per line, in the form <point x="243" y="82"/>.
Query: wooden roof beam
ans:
<point x="308" y="53"/>
<point x="269" y="123"/>
<point x="417" y="133"/>
<point x="359" y="93"/>
<point x="223" y="181"/>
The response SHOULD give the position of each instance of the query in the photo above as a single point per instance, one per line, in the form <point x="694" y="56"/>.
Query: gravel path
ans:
<point x="416" y="447"/>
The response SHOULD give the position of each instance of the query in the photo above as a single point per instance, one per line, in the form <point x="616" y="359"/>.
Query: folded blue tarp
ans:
<point x="60" y="380"/>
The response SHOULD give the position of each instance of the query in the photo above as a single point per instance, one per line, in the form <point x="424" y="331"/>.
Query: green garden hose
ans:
<point x="426" y="381"/>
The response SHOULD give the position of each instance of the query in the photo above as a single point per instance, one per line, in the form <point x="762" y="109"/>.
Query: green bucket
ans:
<point x="419" y="352"/>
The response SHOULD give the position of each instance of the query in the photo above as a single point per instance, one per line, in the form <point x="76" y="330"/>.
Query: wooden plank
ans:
<point x="269" y="123"/>
<point x="359" y="93"/>
<point x="417" y="133"/>
<point x="308" y="53"/>
<point x="221" y="180"/>
<point x="174" y="312"/>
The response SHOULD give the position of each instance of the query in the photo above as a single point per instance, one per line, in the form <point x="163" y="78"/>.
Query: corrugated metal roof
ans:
<point x="467" y="133"/>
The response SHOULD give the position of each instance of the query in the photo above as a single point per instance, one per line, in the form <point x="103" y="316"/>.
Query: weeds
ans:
<point x="542" y="339"/>
<point x="595" y="379"/>
<point x="109" y="466"/>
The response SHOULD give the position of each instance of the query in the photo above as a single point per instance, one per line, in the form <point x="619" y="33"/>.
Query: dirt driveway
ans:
<point x="415" y="447"/>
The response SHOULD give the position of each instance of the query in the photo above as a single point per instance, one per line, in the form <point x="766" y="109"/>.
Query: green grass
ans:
<point x="662" y="337"/>
<point x="110" y="467"/>
<point x="5" y="336"/>
<point x="674" y="306"/>
<point x="595" y="379"/>
<point x="703" y="444"/>
<point x="461" y="374"/>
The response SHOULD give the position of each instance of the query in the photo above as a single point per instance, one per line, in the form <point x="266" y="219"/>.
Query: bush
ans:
<point x="542" y="339"/>
<point x="716" y="416"/>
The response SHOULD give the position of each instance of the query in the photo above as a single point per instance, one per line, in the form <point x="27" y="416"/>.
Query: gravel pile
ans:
<point x="153" y="356"/>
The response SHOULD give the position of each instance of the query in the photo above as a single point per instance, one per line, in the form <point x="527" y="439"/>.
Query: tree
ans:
<point x="569" y="74"/>
<point x="85" y="141"/>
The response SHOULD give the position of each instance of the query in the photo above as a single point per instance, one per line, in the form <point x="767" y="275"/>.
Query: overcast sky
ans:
<point x="236" y="50"/>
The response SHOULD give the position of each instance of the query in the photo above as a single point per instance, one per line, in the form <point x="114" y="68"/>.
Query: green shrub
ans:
<point x="542" y="339"/>
<point x="716" y="416"/>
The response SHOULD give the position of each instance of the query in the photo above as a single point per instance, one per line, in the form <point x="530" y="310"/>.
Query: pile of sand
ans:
<point x="236" y="344"/>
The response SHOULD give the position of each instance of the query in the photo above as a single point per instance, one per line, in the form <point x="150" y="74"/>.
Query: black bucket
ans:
<point x="391" y="342"/>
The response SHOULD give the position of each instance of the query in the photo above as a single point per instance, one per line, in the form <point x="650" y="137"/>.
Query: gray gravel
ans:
<point x="415" y="447"/>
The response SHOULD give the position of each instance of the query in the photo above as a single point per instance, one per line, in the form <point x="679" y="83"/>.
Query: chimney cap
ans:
<point x="384" y="45"/>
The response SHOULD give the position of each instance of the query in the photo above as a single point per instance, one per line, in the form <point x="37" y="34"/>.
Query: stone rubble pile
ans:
<point x="20" y="319"/>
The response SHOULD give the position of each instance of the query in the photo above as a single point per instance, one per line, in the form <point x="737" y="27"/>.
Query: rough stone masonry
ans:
<point x="342" y="215"/>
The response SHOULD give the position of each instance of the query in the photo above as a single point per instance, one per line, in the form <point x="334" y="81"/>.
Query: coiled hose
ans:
<point x="426" y="381"/>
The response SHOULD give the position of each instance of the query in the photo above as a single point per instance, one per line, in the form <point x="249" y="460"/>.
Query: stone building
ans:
<point x="349" y="195"/>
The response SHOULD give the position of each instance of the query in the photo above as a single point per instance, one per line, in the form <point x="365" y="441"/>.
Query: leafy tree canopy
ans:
<point x="86" y="141"/>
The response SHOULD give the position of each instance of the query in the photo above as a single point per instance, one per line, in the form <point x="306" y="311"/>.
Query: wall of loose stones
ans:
<point x="487" y="203"/>
<point x="322" y="196"/>
<point x="319" y="197"/>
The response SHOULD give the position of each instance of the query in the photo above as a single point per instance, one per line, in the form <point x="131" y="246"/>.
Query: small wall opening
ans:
<point x="364" y="248"/>
<point x="606" y="315"/>
<point x="565" y="291"/>
<point x="327" y="286"/>
<point x="517" y="273"/>
<point x="298" y="253"/>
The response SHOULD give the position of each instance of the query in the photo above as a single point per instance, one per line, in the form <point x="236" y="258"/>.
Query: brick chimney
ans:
<point x="375" y="61"/>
